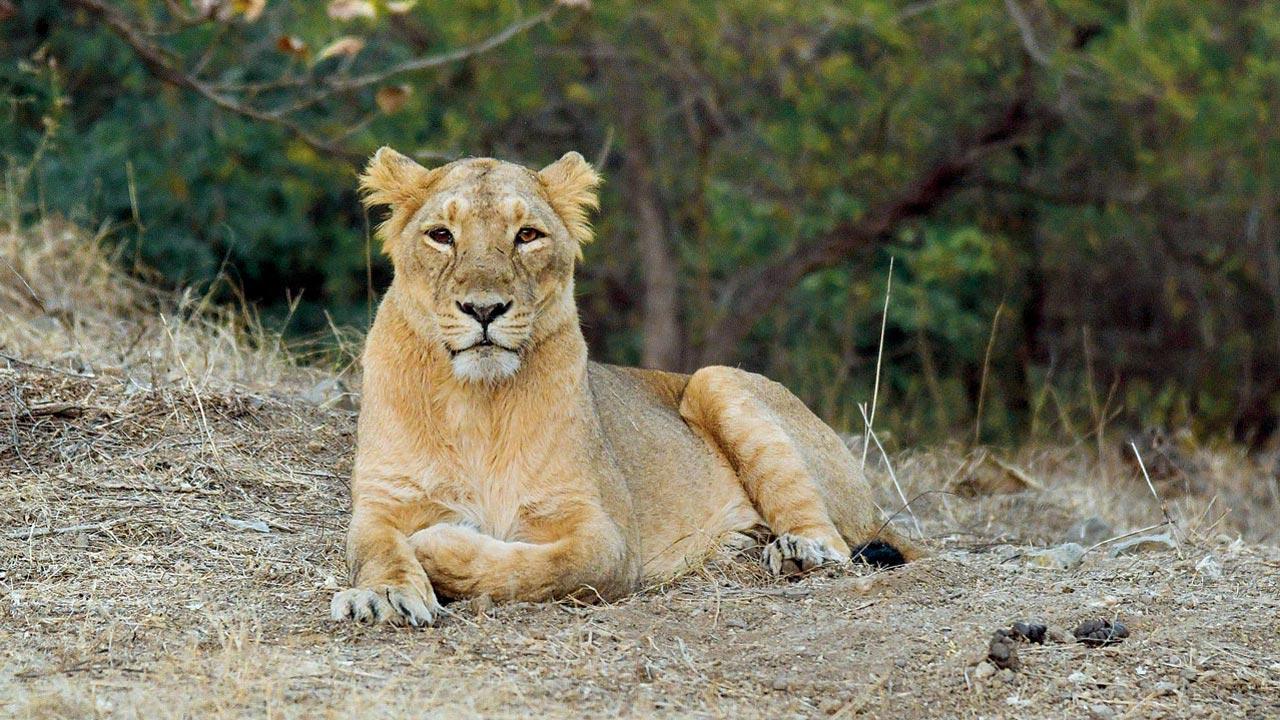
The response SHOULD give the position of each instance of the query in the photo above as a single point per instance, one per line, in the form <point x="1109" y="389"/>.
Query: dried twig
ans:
<point x="45" y="368"/>
<point x="870" y="418"/>
<point x="986" y="366"/>
<point x="1164" y="508"/>
<point x="1122" y="536"/>
<point x="1029" y="41"/>
<point x="889" y="465"/>
<point x="31" y="533"/>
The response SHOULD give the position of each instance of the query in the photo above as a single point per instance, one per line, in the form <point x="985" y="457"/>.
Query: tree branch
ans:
<point x="452" y="56"/>
<point x="164" y="67"/>
<point x="346" y="85"/>
<point x="750" y="294"/>
<point x="1028" y="33"/>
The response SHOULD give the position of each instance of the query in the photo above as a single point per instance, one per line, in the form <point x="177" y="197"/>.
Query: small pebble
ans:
<point x="1166" y="688"/>
<point x="1189" y="674"/>
<point x="984" y="670"/>
<point x="1209" y="567"/>
<point x="1143" y="544"/>
<point x="1098" y="711"/>
<point x="864" y="584"/>
<point x="1058" y="636"/>
<point x="481" y="605"/>
<point x="780" y="683"/>
<point x="1063" y="557"/>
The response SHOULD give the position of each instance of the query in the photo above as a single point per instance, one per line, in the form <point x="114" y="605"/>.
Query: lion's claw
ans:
<point x="384" y="604"/>
<point x="790" y="554"/>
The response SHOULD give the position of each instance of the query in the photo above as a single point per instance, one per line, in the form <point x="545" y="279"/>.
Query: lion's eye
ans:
<point x="441" y="235"/>
<point x="528" y="235"/>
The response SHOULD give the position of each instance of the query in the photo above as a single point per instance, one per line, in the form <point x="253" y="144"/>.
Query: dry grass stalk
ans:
<point x="869" y="418"/>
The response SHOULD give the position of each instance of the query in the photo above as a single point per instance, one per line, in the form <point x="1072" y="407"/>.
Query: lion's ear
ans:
<point x="395" y="180"/>
<point x="571" y="183"/>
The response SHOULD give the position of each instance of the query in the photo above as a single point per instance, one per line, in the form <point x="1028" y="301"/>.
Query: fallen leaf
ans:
<point x="291" y="44"/>
<point x="348" y="10"/>
<point x="212" y="9"/>
<point x="250" y="9"/>
<point x="346" y="45"/>
<point x="392" y="97"/>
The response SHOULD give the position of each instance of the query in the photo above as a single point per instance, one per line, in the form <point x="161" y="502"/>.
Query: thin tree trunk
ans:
<point x="663" y="337"/>
<point x="660" y="322"/>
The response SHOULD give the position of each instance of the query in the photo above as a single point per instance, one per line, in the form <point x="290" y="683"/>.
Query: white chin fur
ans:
<point x="485" y="364"/>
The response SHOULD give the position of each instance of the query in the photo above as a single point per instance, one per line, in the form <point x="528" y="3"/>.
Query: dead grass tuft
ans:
<point x="66" y="303"/>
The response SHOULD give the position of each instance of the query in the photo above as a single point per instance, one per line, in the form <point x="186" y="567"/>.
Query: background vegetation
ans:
<point x="1080" y="199"/>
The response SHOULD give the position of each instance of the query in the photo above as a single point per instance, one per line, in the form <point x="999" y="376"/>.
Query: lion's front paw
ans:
<point x="385" y="604"/>
<point x="790" y="554"/>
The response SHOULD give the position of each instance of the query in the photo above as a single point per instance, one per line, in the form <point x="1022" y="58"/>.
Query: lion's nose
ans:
<point x="484" y="314"/>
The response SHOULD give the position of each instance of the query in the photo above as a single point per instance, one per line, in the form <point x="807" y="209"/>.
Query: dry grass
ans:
<point x="171" y="517"/>
<point x="65" y="303"/>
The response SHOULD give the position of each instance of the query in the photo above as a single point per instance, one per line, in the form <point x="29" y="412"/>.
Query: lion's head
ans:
<point x="483" y="252"/>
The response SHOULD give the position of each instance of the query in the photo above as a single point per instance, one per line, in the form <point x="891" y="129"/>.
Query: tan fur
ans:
<point x="520" y="470"/>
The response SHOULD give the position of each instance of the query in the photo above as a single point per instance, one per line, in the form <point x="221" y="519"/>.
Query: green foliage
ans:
<point x="1130" y="236"/>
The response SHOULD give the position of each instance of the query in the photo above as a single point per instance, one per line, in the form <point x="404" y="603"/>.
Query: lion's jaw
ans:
<point x="485" y="364"/>
<point x="495" y="355"/>
<point x="475" y="353"/>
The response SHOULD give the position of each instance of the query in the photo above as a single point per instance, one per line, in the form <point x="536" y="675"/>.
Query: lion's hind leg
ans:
<point x="719" y="402"/>
<point x="796" y="471"/>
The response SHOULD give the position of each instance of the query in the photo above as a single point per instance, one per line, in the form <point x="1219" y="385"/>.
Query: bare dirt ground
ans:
<point x="171" y="515"/>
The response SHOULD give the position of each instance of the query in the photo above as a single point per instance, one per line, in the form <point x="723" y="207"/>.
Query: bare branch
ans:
<point x="1029" y="41"/>
<point x="446" y="58"/>
<point x="160" y="64"/>
<point x="749" y="295"/>
<point x="167" y="68"/>
<point x="920" y="8"/>
<point x="347" y="85"/>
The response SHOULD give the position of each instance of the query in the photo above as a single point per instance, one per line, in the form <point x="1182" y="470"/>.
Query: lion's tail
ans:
<point x="887" y="548"/>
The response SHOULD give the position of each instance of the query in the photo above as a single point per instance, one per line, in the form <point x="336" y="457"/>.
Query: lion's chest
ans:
<point x="487" y="475"/>
<point x="479" y="492"/>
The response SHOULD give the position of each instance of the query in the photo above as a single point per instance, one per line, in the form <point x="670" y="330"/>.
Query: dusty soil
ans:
<point x="172" y="502"/>
<point x="171" y="552"/>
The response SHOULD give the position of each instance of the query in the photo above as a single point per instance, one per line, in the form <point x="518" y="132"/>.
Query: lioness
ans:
<point x="494" y="458"/>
